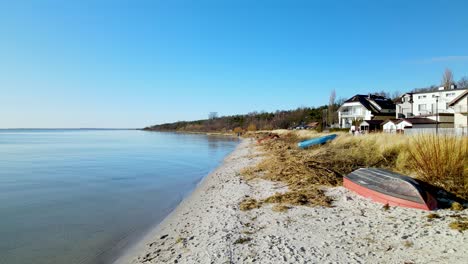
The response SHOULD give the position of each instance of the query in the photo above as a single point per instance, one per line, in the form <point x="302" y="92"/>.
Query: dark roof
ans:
<point x="419" y="120"/>
<point x="373" y="122"/>
<point x="383" y="102"/>
<point x="458" y="98"/>
<point x="413" y="120"/>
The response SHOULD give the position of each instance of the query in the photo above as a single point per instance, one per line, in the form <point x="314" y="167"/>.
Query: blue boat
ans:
<point x="316" y="141"/>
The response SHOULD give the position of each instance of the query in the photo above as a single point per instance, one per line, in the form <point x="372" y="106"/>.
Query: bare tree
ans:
<point x="396" y="95"/>
<point x="463" y="83"/>
<point x="331" y="107"/>
<point x="447" y="78"/>
<point x="382" y="93"/>
<point x="212" y="115"/>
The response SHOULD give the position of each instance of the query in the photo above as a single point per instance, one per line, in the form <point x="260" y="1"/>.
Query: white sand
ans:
<point x="205" y="227"/>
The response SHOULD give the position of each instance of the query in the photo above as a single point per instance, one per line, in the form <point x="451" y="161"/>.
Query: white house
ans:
<point x="460" y="107"/>
<point x="399" y="125"/>
<point x="365" y="107"/>
<point x="395" y="125"/>
<point x="426" y="103"/>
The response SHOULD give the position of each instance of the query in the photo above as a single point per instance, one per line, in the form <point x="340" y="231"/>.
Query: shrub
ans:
<point x="252" y="127"/>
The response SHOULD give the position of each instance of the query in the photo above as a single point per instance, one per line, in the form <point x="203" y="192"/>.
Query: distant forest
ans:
<point x="249" y="122"/>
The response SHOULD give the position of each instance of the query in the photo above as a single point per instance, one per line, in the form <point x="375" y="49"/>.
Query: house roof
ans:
<point x="419" y="120"/>
<point x="365" y="100"/>
<point x="413" y="120"/>
<point x="438" y="91"/>
<point x="458" y="98"/>
<point x="373" y="122"/>
<point x="394" y="121"/>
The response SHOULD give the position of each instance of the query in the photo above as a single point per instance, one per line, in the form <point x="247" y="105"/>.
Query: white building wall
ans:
<point x="404" y="108"/>
<point x="461" y="113"/>
<point x="389" y="127"/>
<point x="425" y="103"/>
<point x="402" y="125"/>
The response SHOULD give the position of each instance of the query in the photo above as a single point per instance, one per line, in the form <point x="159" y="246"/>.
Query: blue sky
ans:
<point x="138" y="63"/>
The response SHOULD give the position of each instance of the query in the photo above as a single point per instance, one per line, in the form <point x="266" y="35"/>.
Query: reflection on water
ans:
<point x="73" y="196"/>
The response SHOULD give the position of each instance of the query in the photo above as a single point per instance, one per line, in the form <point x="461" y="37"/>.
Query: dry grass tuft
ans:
<point x="442" y="161"/>
<point x="386" y="207"/>
<point x="242" y="240"/>
<point x="280" y="208"/>
<point x="408" y="244"/>
<point x="461" y="224"/>
<point x="309" y="197"/>
<point x="456" y="206"/>
<point x="433" y="216"/>
<point x="249" y="204"/>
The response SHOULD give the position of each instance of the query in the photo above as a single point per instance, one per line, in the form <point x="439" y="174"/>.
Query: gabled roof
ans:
<point x="394" y="121"/>
<point x="413" y="120"/>
<point x="366" y="101"/>
<point x="458" y="98"/>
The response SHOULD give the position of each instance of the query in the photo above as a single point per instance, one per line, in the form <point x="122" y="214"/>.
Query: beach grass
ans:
<point x="441" y="161"/>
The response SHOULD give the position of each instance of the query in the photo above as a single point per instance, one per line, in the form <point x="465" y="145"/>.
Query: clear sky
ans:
<point x="137" y="63"/>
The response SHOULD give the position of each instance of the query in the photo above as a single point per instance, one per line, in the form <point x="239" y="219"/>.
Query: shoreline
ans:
<point x="225" y="134"/>
<point x="131" y="254"/>
<point x="209" y="227"/>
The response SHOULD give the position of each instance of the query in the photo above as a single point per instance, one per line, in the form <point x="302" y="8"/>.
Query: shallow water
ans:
<point x="80" y="196"/>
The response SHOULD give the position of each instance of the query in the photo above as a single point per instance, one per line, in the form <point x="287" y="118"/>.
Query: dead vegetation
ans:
<point x="242" y="240"/>
<point x="280" y="208"/>
<point x="441" y="161"/>
<point x="461" y="224"/>
<point x="309" y="197"/>
<point x="249" y="204"/>
<point x="438" y="160"/>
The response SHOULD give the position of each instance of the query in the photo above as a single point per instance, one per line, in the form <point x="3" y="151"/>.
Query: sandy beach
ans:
<point x="208" y="227"/>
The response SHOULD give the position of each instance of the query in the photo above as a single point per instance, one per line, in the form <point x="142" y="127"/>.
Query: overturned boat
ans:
<point x="316" y="141"/>
<point x="389" y="188"/>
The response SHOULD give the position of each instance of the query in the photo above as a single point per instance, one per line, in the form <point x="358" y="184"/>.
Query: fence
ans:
<point x="458" y="131"/>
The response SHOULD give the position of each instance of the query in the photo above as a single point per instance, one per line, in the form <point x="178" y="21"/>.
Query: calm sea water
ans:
<point x="80" y="196"/>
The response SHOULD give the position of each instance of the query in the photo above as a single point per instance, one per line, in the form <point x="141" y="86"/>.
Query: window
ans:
<point x="421" y="97"/>
<point x="449" y="94"/>
<point x="422" y="107"/>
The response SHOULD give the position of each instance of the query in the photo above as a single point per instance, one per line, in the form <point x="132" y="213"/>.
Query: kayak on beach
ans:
<point x="316" y="141"/>
<point x="389" y="188"/>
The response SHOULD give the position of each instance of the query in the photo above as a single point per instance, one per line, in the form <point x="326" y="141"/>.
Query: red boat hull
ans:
<point x="430" y="204"/>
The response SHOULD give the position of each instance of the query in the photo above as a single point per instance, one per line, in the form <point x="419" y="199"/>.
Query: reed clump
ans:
<point x="441" y="161"/>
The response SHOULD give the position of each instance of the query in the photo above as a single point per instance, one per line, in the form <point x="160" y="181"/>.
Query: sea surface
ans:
<point x="82" y="196"/>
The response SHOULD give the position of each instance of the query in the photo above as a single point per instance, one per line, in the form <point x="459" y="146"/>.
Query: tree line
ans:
<point x="249" y="122"/>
